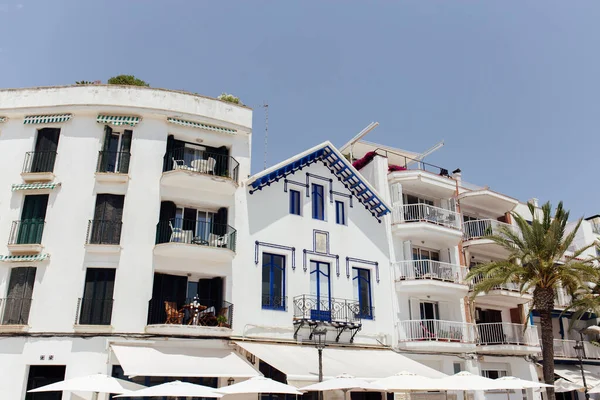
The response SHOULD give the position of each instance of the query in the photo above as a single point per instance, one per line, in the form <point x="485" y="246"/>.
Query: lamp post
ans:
<point x="319" y="335"/>
<point x="580" y="354"/>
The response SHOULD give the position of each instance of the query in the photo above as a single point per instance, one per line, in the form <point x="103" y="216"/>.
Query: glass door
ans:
<point x="320" y="288"/>
<point x="429" y="315"/>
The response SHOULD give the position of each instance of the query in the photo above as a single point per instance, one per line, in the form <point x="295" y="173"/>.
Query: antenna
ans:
<point x="266" y="107"/>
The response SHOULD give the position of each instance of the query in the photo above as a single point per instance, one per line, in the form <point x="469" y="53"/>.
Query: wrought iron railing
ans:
<point x="324" y="309"/>
<point x="14" y="311"/>
<point x="179" y="230"/>
<point x="113" y="161"/>
<point x="27" y="231"/>
<point x="274" y="302"/>
<point x="436" y="330"/>
<point x="104" y="232"/>
<point x="191" y="311"/>
<point x="430" y="269"/>
<point x="481" y="228"/>
<point x="39" y="161"/>
<point x="202" y="162"/>
<point x="94" y="311"/>
<point x="496" y="333"/>
<point x="426" y="213"/>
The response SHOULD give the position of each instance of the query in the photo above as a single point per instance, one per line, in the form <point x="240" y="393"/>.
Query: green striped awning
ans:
<point x="33" y="186"/>
<point x="118" y="120"/>
<point x="24" y="258"/>
<point x="201" y="125"/>
<point x="46" y="119"/>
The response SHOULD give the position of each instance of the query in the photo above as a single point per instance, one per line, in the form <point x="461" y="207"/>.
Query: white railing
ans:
<point x="426" y="213"/>
<point x="511" y="286"/>
<point x="430" y="269"/>
<point x="562" y="298"/>
<point x="436" y="330"/>
<point x="566" y="349"/>
<point x="506" y="333"/>
<point x="484" y="227"/>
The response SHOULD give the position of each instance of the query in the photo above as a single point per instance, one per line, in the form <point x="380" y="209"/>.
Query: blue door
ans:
<point x="320" y="288"/>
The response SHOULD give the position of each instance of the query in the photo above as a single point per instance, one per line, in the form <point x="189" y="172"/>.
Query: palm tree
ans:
<point x="537" y="262"/>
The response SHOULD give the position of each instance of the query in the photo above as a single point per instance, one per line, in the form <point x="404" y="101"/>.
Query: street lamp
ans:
<point x="581" y="353"/>
<point x="319" y="335"/>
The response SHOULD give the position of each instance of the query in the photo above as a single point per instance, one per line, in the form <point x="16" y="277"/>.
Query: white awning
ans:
<point x="182" y="362"/>
<point x="300" y="363"/>
<point x="573" y="373"/>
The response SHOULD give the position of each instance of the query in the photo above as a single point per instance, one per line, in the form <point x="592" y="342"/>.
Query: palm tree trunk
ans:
<point x="543" y="300"/>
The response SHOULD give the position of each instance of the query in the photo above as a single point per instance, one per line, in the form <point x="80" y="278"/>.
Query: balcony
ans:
<point x="188" y="172"/>
<point x="26" y="236"/>
<point x="344" y="315"/>
<point x="14" y="314"/>
<point x="485" y="200"/>
<point x="39" y="166"/>
<point x="93" y="314"/>
<point x="192" y="239"/>
<point x="476" y="235"/>
<point x="566" y="349"/>
<point x="104" y="236"/>
<point x="436" y="335"/>
<point x="507" y="338"/>
<point x="191" y="317"/>
<point x="426" y="275"/>
<point x="423" y="222"/>
<point x="113" y="166"/>
<point x="508" y="294"/>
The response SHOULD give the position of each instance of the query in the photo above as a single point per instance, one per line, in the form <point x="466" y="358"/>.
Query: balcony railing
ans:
<point x="113" y="161"/>
<point x="202" y="162"/>
<point x="436" y="330"/>
<point x="94" y="311"/>
<point x="498" y="333"/>
<point x="274" y="302"/>
<point x="481" y="228"/>
<point x="430" y="269"/>
<point x="191" y="311"/>
<point x="202" y="233"/>
<point x="510" y="286"/>
<point x="27" y="231"/>
<point x="566" y="349"/>
<point x="104" y="232"/>
<point x="39" y="161"/>
<point x="426" y="213"/>
<point x="324" y="309"/>
<point x="14" y="311"/>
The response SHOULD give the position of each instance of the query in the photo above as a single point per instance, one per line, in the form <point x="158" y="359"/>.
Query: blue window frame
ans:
<point x="273" y="281"/>
<point x="361" y="279"/>
<point x="340" y="212"/>
<point x="318" y="202"/>
<point x="320" y="288"/>
<point x="294" y="202"/>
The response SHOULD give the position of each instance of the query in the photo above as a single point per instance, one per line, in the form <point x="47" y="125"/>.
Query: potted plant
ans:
<point x="222" y="321"/>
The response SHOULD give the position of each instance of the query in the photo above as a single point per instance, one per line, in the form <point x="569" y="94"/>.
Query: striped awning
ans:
<point x="201" y="125"/>
<point x="2" y="119"/>
<point x="24" y="258"/>
<point x="46" y="119"/>
<point x="33" y="186"/>
<point x="118" y="120"/>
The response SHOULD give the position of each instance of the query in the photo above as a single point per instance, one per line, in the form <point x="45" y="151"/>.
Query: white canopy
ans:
<point x="98" y="383"/>
<point x="342" y="382"/>
<point x="259" y="384"/>
<point x="407" y="381"/>
<point x="174" y="389"/>
<point x="514" y="383"/>
<point x="175" y="361"/>
<point x="573" y="373"/>
<point x="562" y="385"/>
<point x="300" y="363"/>
<point x="467" y="381"/>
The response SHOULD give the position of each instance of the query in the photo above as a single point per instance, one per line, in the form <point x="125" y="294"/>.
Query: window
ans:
<point x="294" y="202"/>
<point x="97" y="301"/>
<point x="108" y="214"/>
<point x="44" y="155"/>
<point x="494" y="373"/>
<point x="273" y="281"/>
<point x="458" y="367"/>
<point x="18" y="298"/>
<point x="340" y="213"/>
<point x="42" y="375"/>
<point x="31" y="226"/>
<point x="115" y="151"/>
<point x="361" y="279"/>
<point x="318" y="202"/>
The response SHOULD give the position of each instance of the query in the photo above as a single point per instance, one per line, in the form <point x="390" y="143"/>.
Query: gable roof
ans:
<point x="337" y="164"/>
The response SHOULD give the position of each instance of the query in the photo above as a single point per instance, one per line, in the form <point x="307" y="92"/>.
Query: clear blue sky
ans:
<point x="511" y="86"/>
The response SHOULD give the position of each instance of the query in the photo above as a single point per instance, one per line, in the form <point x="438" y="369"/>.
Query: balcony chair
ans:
<point x="217" y="240"/>
<point x="177" y="234"/>
<point x="204" y="166"/>
<point x="178" y="164"/>
<point x="174" y="316"/>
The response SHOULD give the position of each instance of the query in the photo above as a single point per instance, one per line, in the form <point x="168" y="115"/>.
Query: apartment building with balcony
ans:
<point x="119" y="215"/>
<point x="439" y="228"/>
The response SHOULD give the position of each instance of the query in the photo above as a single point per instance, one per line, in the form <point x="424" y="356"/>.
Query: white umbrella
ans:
<point x="174" y="389"/>
<point x="98" y="383"/>
<point x="595" y="389"/>
<point x="341" y="382"/>
<point x="259" y="384"/>
<point x="407" y="381"/>
<point x="467" y="381"/>
<point x="514" y="383"/>
<point x="562" y="385"/>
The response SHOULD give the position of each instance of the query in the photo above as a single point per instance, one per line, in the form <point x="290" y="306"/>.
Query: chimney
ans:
<point x="534" y="201"/>
<point x="456" y="175"/>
